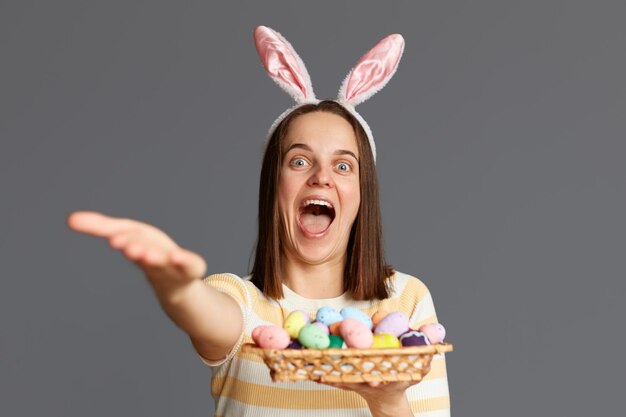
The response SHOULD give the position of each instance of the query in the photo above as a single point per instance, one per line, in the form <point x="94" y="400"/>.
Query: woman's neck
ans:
<point x="314" y="281"/>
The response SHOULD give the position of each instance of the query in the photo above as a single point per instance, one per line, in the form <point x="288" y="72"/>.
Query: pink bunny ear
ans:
<point x="283" y="64"/>
<point x="373" y="71"/>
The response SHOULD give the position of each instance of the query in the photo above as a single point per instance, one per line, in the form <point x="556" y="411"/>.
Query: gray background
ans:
<point x="501" y="147"/>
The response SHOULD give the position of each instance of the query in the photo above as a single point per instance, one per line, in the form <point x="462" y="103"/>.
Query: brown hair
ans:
<point x="366" y="272"/>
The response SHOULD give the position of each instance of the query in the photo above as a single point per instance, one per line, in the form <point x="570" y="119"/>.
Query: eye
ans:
<point x="343" y="167"/>
<point x="299" y="162"/>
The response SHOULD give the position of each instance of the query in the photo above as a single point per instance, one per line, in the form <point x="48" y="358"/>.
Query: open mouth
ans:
<point x="316" y="216"/>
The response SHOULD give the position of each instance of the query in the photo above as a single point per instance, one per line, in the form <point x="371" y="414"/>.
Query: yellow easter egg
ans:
<point x="385" y="340"/>
<point x="294" y="322"/>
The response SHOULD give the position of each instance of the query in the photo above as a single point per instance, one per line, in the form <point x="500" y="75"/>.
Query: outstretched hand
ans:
<point x="383" y="398"/>
<point x="147" y="246"/>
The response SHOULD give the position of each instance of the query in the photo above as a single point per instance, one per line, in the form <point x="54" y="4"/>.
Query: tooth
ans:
<point x="318" y="202"/>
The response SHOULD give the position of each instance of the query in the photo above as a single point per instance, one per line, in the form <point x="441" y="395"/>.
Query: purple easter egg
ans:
<point x="322" y="327"/>
<point x="294" y="344"/>
<point x="414" y="338"/>
<point x="395" y="323"/>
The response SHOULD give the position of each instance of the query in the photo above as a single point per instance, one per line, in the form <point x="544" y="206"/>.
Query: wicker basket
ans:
<point x="349" y="365"/>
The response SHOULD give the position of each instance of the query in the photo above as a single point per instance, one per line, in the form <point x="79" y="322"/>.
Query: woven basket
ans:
<point x="349" y="365"/>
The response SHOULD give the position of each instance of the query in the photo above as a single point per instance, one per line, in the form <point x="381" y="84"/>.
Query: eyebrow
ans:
<point x="308" y="148"/>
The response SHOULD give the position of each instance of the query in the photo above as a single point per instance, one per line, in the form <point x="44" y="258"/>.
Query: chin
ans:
<point x="316" y="253"/>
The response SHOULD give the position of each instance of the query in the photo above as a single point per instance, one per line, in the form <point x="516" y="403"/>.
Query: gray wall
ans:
<point x="500" y="141"/>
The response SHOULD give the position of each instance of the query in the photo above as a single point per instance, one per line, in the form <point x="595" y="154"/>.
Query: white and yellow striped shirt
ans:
<point x="241" y="384"/>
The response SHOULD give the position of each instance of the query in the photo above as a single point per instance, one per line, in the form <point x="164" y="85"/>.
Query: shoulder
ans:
<point x="242" y="289"/>
<point x="224" y="279"/>
<point x="405" y="285"/>
<point x="410" y="295"/>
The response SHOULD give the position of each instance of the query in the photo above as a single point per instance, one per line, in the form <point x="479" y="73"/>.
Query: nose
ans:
<point x="321" y="177"/>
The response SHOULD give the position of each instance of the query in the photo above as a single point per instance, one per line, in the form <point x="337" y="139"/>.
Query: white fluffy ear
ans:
<point x="373" y="71"/>
<point x="283" y="64"/>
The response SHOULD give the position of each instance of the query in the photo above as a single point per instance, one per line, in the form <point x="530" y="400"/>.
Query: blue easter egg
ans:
<point x="328" y="316"/>
<point x="355" y="313"/>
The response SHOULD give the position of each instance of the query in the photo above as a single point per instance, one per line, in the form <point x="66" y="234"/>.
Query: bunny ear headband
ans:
<point x="370" y="74"/>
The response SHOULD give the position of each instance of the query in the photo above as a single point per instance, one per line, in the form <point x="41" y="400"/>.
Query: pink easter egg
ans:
<point x="271" y="337"/>
<point x="356" y="334"/>
<point x="257" y="330"/>
<point x="435" y="332"/>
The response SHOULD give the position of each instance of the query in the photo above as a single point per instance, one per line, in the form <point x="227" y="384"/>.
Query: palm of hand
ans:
<point x="147" y="246"/>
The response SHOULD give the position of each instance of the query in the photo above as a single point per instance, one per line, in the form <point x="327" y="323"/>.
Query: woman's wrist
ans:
<point x="388" y="406"/>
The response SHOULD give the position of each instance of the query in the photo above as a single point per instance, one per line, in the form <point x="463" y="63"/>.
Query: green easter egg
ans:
<point x="335" y="341"/>
<point x="312" y="337"/>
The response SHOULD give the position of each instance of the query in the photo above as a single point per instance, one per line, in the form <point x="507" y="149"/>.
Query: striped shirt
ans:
<point x="241" y="383"/>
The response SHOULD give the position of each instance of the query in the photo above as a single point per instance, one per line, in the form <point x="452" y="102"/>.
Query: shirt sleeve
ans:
<point x="424" y="312"/>
<point x="237" y="288"/>
<point x="431" y="396"/>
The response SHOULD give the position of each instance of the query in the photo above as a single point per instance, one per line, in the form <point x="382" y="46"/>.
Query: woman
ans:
<point x="319" y="244"/>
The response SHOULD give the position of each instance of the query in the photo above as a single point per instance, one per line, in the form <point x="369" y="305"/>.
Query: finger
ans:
<point x="95" y="223"/>
<point x="373" y="383"/>
<point x="134" y="251"/>
<point x="151" y="255"/>
<point x="155" y="258"/>
<point x="119" y="241"/>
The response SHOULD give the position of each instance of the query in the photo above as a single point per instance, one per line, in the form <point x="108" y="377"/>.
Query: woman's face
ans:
<point x="318" y="189"/>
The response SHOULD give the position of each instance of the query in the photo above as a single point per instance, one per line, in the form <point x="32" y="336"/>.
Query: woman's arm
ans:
<point x="212" y="320"/>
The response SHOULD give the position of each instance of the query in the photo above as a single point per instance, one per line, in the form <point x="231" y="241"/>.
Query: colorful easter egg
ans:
<point x="378" y="316"/>
<point x="414" y="338"/>
<point x="322" y="327"/>
<point x="294" y="322"/>
<point x="385" y="340"/>
<point x="312" y="337"/>
<point x="294" y="344"/>
<point x="328" y="316"/>
<point x="435" y="332"/>
<point x="356" y="334"/>
<point x="335" y="341"/>
<point x="257" y="331"/>
<point x="394" y="323"/>
<point x="271" y="337"/>
<point x="335" y="328"/>
<point x="355" y="313"/>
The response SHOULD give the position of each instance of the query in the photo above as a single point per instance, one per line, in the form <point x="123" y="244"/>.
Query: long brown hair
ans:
<point x="366" y="272"/>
